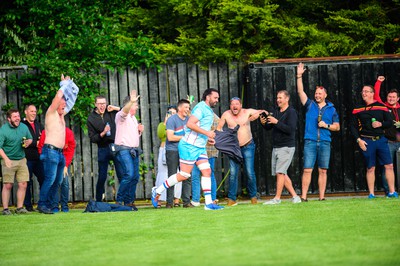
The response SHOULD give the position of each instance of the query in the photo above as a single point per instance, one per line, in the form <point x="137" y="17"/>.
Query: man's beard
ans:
<point x="13" y="124"/>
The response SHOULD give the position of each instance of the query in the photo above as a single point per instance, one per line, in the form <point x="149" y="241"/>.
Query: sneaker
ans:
<point x="21" y="211"/>
<point x="154" y="197"/>
<point x="55" y="210"/>
<point x="231" y="203"/>
<point x="254" y="200"/>
<point x="296" y="199"/>
<point x="322" y="199"/>
<point x="212" y="207"/>
<point x="133" y="206"/>
<point x="195" y="203"/>
<point x="272" y="202"/>
<point x="304" y="200"/>
<point x="6" y="212"/>
<point x="371" y="196"/>
<point x="44" y="210"/>
<point x="30" y="209"/>
<point x="65" y="209"/>
<point x="393" y="195"/>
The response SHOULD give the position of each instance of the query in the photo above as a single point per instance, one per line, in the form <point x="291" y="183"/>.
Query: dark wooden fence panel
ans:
<point x="344" y="80"/>
<point x="257" y="84"/>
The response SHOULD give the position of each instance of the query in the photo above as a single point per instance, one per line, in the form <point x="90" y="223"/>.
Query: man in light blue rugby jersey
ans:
<point x="192" y="149"/>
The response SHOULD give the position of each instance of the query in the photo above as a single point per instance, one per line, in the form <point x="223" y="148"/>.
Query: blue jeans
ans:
<point x="129" y="169"/>
<point x="196" y="177"/>
<point x="316" y="151"/>
<point x="104" y="156"/>
<point x="62" y="194"/>
<point x="248" y="157"/>
<point x="35" y="167"/>
<point x="53" y="165"/>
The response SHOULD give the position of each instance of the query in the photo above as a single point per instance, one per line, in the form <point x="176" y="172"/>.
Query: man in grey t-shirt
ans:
<point x="175" y="131"/>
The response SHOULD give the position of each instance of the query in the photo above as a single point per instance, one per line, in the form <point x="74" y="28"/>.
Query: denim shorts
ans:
<point x="317" y="151"/>
<point x="189" y="154"/>
<point x="281" y="159"/>
<point x="377" y="149"/>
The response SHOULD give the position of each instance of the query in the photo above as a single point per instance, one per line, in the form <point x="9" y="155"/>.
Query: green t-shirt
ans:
<point x="162" y="132"/>
<point x="11" y="138"/>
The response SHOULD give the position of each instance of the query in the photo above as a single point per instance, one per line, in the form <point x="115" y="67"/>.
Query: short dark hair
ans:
<point x="183" y="101"/>
<point x="11" y="111"/>
<point x="99" y="97"/>
<point x="394" y="91"/>
<point x="27" y="106"/>
<point x="369" y="86"/>
<point x="208" y="92"/>
<point x="285" y="92"/>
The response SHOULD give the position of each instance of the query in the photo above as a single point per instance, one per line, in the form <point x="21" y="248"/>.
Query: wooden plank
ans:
<point x="156" y="118"/>
<point x="78" y="181"/>
<point x="88" y="182"/>
<point x="182" y="81"/>
<point x="193" y="86"/>
<point x="172" y="81"/>
<point x="146" y="136"/>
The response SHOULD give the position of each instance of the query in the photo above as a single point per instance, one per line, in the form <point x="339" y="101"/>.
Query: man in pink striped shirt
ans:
<point x="127" y="135"/>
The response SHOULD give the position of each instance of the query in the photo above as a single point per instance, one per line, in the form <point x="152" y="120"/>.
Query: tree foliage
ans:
<point x="76" y="38"/>
<point x="253" y="30"/>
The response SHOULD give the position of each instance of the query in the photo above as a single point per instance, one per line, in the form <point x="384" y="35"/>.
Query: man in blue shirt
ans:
<point x="321" y="119"/>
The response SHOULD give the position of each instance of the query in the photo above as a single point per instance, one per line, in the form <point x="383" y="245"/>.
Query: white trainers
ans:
<point x="272" y="202"/>
<point x="296" y="199"/>
<point x="195" y="203"/>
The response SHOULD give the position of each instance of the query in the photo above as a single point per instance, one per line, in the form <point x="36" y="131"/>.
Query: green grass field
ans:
<point x="335" y="232"/>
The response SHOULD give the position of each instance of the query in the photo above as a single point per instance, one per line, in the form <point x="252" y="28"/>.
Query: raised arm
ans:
<point x="377" y="88"/>
<point x="300" y="88"/>
<point x="57" y="99"/>
<point x="133" y="98"/>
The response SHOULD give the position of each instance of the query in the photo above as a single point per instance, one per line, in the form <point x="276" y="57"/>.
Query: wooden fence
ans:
<point x="157" y="90"/>
<point x="343" y="77"/>
<point x="259" y="82"/>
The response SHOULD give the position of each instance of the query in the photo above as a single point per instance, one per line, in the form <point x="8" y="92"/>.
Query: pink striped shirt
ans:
<point x="127" y="132"/>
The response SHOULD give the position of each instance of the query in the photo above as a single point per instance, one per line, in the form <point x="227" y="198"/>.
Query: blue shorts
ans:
<point x="377" y="149"/>
<point x="319" y="151"/>
<point x="189" y="154"/>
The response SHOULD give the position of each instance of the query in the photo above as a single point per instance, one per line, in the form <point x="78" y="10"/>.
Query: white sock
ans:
<point x="206" y="186"/>
<point x="170" y="182"/>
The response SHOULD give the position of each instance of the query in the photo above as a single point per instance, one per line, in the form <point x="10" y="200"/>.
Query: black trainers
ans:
<point x="30" y="209"/>
<point x="133" y="206"/>
<point x="6" y="212"/>
<point x="21" y="211"/>
<point x="45" y="210"/>
<point x="304" y="200"/>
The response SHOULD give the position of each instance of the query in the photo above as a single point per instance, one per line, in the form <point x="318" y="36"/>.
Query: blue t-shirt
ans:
<point x="328" y="115"/>
<point x="205" y="115"/>
<point x="176" y="124"/>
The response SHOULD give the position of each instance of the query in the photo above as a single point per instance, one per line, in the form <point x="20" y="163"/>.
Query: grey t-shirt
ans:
<point x="176" y="124"/>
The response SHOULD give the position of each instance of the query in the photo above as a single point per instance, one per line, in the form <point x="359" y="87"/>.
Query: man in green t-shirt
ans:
<point x="14" y="137"/>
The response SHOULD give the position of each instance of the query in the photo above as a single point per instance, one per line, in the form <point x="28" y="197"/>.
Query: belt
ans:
<point x="52" y="147"/>
<point x="373" y="138"/>
<point x="247" y="143"/>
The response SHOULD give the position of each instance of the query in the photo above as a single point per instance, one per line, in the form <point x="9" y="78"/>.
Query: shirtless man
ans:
<point x="52" y="152"/>
<point x="236" y="115"/>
